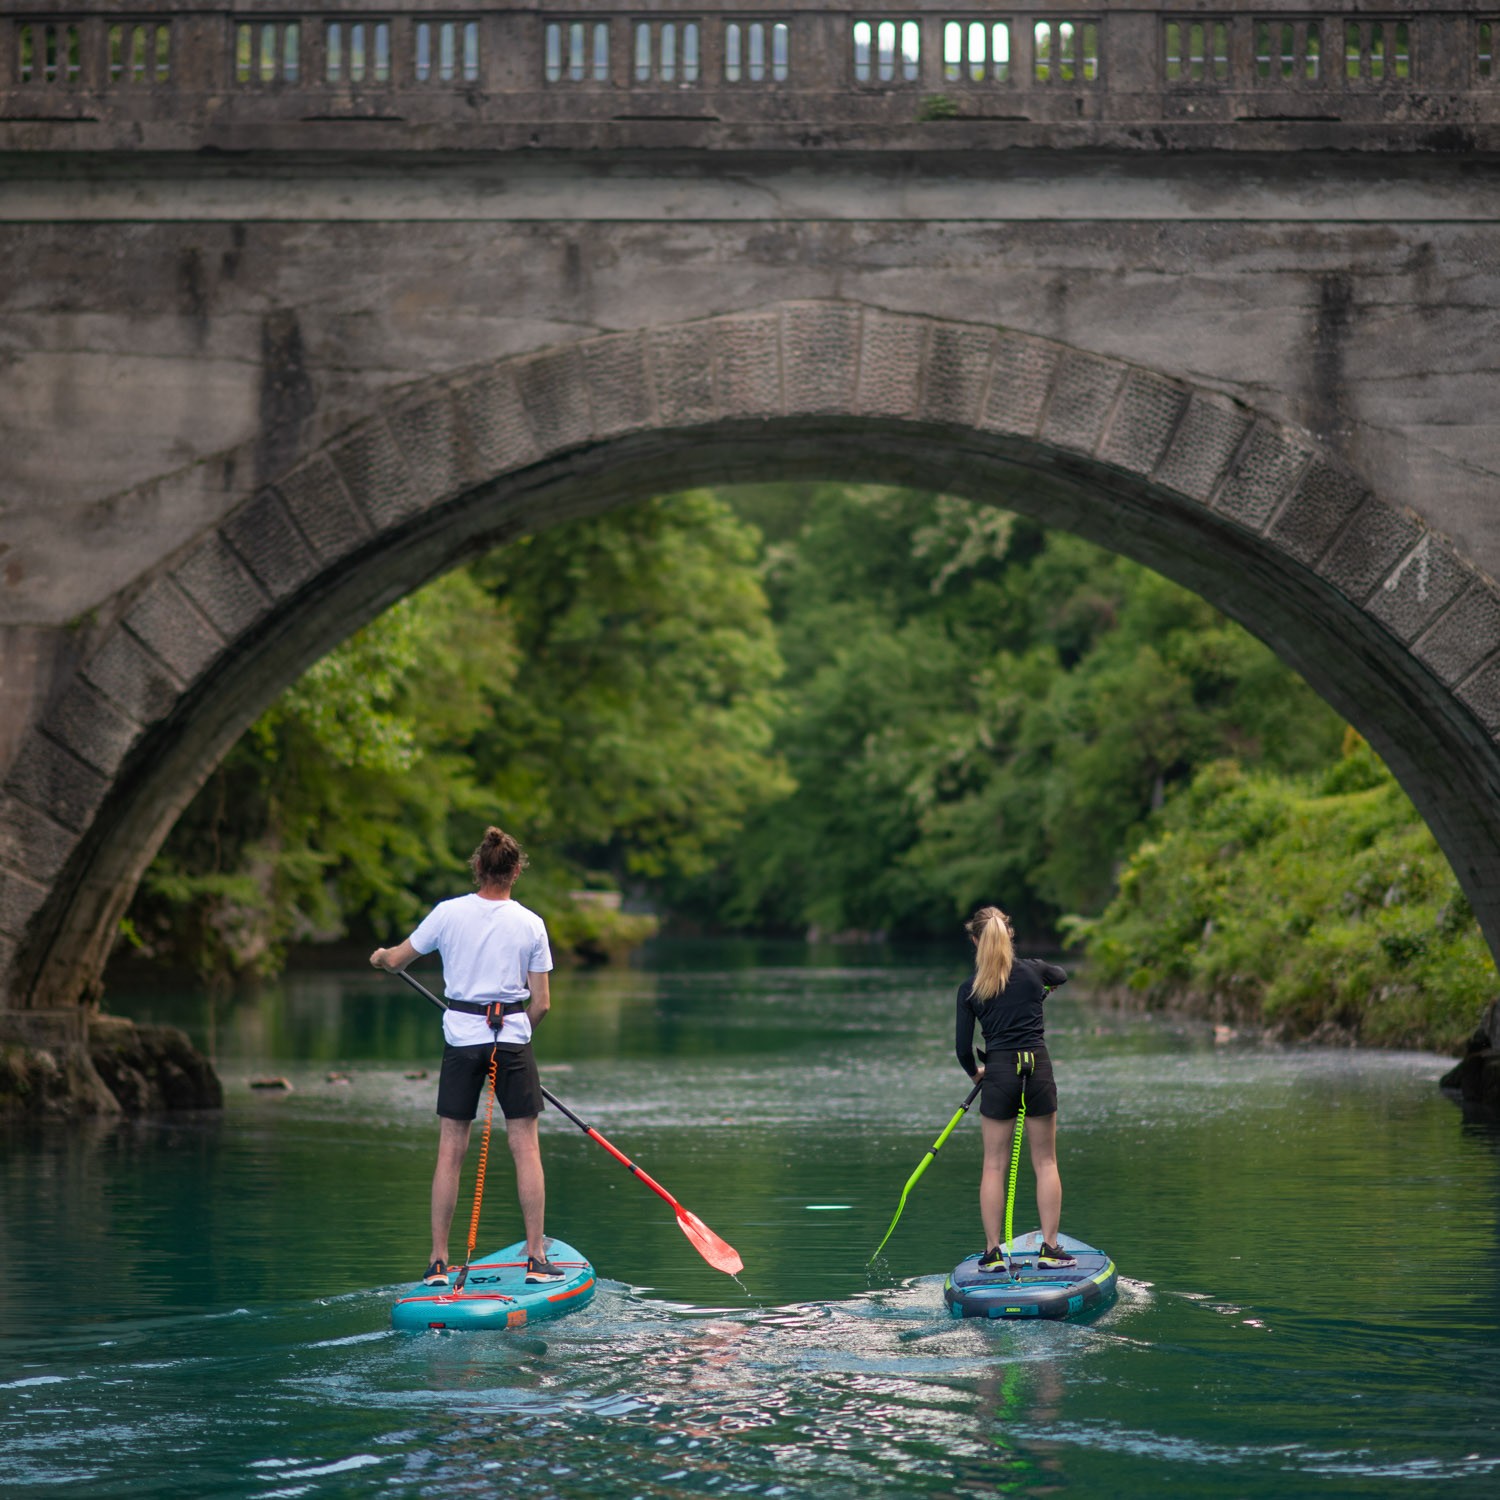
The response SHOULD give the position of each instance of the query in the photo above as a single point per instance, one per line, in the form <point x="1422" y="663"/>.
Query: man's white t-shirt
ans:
<point x="488" y="948"/>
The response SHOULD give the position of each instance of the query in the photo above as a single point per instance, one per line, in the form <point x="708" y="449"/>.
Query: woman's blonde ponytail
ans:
<point x="995" y="953"/>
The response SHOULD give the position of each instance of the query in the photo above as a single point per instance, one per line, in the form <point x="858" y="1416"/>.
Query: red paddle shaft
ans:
<point x="614" y="1151"/>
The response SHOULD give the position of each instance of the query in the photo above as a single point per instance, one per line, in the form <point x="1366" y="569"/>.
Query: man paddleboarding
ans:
<point x="496" y="959"/>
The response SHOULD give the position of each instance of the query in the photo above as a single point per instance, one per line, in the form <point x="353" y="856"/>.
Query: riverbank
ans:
<point x="1317" y="908"/>
<point x="123" y="1068"/>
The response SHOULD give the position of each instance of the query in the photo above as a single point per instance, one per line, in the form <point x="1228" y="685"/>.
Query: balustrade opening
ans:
<point x="1377" y="51"/>
<point x="1197" y="51"/>
<point x="576" y="52"/>
<point x="974" y="51"/>
<point x="667" y="51"/>
<point x="446" y="52"/>
<point x="48" y="53"/>
<point x="887" y="51"/>
<point x="1288" y="52"/>
<point x="1065" y="51"/>
<point x="755" y="51"/>
<point x="267" y="52"/>
<point x="357" y="52"/>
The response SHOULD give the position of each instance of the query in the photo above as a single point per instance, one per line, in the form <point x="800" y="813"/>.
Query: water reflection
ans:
<point x="1308" y="1305"/>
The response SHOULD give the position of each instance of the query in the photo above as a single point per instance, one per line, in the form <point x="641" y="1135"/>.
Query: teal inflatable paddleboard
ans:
<point x="1032" y="1291"/>
<point x="495" y="1293"/>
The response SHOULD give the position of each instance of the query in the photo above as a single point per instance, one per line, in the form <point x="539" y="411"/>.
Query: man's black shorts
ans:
<point x="466" y="1072"/>
<point x="1000" y="1095"/>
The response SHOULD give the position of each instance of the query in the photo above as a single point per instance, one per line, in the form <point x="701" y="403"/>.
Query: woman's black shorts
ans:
<point x="466" y="1071"/>
<point x="1000" y="1094"/>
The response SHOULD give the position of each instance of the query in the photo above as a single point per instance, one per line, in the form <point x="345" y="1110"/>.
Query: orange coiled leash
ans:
<point x="484" y="1156"/>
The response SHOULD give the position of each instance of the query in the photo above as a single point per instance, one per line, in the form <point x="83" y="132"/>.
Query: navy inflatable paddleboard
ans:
<point x="1033" y="1292"/>
<point x="495" y="1293"/>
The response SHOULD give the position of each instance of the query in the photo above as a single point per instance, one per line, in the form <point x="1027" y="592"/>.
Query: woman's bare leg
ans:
<point x="1041" y="1134"/>
<point x="997" y="1136"/>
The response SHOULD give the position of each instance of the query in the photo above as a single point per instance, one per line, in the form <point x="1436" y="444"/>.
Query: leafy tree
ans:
<point x="605" y="689"/>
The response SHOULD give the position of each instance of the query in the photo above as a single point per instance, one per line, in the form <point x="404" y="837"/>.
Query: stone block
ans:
<point x="497" y="433"/>
<point x="264" y="538"/>
<point x="1463" y="637"/>
<point x="619" y="387"/>
<point x="132" y="678"/>
<point x="315" y="498"/>
<point x="1082" y="396"/>
<point x="1145" y="417"/>
<point x="820" y="358"/>
<point x="376" y="476"/>
<point x="164" y="620"/>
<point x="93" y="729"/>
<point x="958" y="370"/>
<point x="51" y="780"/>
<point x="1372" y="544"/>
<point x="20" y="900"/>
<point x="1019" y="382"/>
<point x="32" y="842"/>
<point x="556" y="399"/>
<point x="1324" y="500"/>
<point x="749" y="363"/>
<point x="428" y="434"/>
<point x="1206" y="440"/>
<point x="221" y="586"/>
<point x="1481" y="694"/>
<point x="682" y="371"/>
<point x="890" y="365"/>
<point x="1261" y="477"/>
<point x="1423" y="584"/>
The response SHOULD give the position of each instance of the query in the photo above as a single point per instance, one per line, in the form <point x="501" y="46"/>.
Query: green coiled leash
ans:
<point x="1025" y="1065"/>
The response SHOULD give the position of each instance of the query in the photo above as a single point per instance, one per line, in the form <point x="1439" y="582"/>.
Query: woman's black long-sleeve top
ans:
<point x="1012" y="1020"/>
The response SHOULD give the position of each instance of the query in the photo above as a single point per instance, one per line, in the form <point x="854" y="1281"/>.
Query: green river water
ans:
<point x="1307" y="1241"/>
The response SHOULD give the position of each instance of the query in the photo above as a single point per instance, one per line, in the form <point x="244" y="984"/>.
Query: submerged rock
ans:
<point x="1475" y="1080"/>
<point x="151" y="1069"/>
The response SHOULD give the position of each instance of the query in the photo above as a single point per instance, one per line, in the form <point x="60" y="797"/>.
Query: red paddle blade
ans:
<point x="721" y="1255"/>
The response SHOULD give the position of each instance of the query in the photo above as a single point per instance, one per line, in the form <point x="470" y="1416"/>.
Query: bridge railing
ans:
<point x="178" y="74"/>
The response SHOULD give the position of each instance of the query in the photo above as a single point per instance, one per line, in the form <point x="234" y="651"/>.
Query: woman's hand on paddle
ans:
<point x="978" y="1074"/>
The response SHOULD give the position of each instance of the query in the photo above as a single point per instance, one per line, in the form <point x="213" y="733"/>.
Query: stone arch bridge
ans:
<point x="301" y="306"/>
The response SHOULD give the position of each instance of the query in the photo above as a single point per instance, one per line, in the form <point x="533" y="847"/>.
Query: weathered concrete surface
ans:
<point x="239" y="415"/>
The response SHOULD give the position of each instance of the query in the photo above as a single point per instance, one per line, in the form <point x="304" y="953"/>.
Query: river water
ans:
<point x="1307" y="1240"/>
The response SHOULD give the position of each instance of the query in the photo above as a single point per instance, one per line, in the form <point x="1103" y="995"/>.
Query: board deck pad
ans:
<point x="1063" y="1292"/>
<point x="495" y="1294"/>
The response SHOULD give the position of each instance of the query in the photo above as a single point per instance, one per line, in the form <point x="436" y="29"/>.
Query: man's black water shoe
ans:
<point x="538" y="1271"/>
<point x="993" y="1260"/>
<point x="1050" y="1258"/>
<point x="437" y="1274"/>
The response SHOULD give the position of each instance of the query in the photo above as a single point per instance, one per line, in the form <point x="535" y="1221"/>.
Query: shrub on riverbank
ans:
<point x="1298" y="902"/>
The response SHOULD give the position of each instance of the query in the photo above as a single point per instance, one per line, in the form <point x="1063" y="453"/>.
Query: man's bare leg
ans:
<point x="531" y="1185"/>
<point x="453" y="1142"/>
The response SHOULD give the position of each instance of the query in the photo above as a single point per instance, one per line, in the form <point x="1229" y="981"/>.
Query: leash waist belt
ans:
<point x="500" y="1008"/>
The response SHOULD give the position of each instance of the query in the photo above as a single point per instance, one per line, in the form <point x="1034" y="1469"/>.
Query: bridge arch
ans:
<point x="1380" y="613"/>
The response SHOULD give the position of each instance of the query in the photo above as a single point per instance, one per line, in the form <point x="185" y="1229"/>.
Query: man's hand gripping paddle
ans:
<point x="721" y="1255"/>
<point x="926" y="1161"/>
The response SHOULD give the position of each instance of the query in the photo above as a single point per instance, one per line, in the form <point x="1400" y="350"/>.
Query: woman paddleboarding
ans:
<point x="1004" y="995"/>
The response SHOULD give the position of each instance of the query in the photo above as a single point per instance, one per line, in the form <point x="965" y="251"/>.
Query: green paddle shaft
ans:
<point x="926" y="1162"/>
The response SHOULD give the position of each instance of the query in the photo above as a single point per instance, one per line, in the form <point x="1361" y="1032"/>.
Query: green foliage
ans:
<point x="605" y="690"/>
<point x="939" y="107"/>
<point x="978" y="710"/>
<point x="1299" y="901"/>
